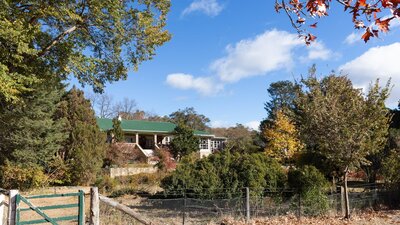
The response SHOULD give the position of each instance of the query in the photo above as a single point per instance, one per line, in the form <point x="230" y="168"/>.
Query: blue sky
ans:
<point x="224" y="54"/>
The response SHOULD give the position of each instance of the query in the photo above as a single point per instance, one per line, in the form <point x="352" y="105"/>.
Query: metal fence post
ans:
<point x="94" y="206"/>
<point x="81" y="219"/>
<point x="247" y="205"/>
<point x="184" y="208"/>
<point x="12" y="207"/>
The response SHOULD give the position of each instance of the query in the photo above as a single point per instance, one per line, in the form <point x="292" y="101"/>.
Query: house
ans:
<point x="148" y="136"/>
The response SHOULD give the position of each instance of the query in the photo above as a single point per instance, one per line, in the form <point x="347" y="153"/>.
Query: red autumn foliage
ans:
<point x="371" y="15"/>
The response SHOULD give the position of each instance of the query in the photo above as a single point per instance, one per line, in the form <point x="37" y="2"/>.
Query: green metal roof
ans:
<point x="144" y="126"/>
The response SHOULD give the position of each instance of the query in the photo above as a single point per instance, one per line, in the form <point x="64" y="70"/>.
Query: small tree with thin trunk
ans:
<point x="117" y="132"/>
<point x="336" y="119"/>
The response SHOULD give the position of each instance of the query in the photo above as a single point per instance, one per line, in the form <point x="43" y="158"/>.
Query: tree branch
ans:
<point x="56" y="40"/>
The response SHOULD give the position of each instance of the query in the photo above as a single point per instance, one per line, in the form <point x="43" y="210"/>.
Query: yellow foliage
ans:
<point x="282" y="137"/>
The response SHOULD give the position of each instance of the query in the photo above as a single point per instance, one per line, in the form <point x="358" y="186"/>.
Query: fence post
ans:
<point x="94" y="206"/>
<point x="12" y="207"/>
<point x="247" y="205"/>
<point x="299" y="206"/>
<point x="81" y="202"/>
<point x="342" y="204"/>
<point x="2" y="203"/>
<point x="184" y="208"/>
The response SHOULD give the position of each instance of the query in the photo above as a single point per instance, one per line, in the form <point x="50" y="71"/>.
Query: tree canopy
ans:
<point x="282" y="138"/>
<point x="341" y="122"/>
<point x="184" y="141"/>
<point x="96" y="41"/>
<point x="190" y="118"/>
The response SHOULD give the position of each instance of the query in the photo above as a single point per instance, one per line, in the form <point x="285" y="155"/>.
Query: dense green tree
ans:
<point x="339" y="121"/>
<point x="190" y="118"/>
<point x="184" y="142"/>
<point x="117" y="132"/>
<point x="93" y="40"/>
<point x="30" y="136"/>
<point x="84" y="150"/>
<point x="282" y="95"/>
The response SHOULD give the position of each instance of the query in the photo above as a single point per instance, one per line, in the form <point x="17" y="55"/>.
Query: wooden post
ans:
<point x="342" y="200"/>
<point x="94" y="206"/>
<point x="12" y="207"/>
<point x="123" y="208"/>
<point x="2" y="203"/>
<point x="247" y="205"/>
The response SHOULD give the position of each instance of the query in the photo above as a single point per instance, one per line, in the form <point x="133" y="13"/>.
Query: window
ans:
<point x="203" y="144"/>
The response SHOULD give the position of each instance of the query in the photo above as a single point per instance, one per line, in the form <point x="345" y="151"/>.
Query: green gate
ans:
<point x="41" y="210"/>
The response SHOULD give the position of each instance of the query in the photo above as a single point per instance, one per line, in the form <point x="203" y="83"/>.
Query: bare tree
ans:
<point x="102" y="104"/>
<point x="125" y="108"/>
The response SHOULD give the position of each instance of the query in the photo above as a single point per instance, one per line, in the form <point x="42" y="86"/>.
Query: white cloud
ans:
<point x="353" y="38"/>
<point x="270" y="51"/>
<point x="208" y="7"/>
<point x="265" y="53"/>
<point x="378" y="62"/>
<point x="317" y="50"/>
<point x="220" y="123"/>
<point x="203" y="85"/>
<point x="254" y="125"/>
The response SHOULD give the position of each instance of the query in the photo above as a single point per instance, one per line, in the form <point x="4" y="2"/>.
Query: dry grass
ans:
<point x="366" y="218"/>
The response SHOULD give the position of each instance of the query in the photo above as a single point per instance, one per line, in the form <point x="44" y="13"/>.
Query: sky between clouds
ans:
<point x="224" y="54"/>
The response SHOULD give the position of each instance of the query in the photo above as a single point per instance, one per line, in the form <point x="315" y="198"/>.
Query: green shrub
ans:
<point x="311" y="185"/>
<point x="226" y="173"/>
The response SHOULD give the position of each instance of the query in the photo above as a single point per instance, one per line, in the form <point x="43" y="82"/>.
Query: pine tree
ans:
<point x="116" y="132"/>
<point x="30" y="134"/>
<point x="84" y="150"/>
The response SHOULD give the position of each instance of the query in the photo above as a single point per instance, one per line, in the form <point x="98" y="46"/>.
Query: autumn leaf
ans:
<point x="301" y="20"/>
<point x="367" y="35"/>
<point x="314" y="25"/>
<point x="383" y="25"/>
<point x="362" y="3"/>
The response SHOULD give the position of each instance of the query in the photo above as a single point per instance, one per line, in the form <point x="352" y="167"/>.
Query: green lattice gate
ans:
<point x="79" y="218"/>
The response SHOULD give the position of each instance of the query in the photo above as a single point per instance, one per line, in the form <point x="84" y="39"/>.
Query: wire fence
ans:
<point x="177" y="208"/>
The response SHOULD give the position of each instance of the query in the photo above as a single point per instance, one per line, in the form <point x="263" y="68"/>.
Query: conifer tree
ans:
<point x="84" y="150"/>
<point x="116" y="132"/>
<point x="30" y="135"/>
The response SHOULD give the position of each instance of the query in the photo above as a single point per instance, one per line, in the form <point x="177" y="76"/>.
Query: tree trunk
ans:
<point x="346" y="196"/>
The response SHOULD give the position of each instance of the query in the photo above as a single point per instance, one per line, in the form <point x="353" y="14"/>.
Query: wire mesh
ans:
<point x="177" y="208"/>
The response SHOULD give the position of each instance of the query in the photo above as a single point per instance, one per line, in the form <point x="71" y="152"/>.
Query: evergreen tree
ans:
<point x="117" y="132"/>
<point x="184" y="142"/>
<point x="84" y="150"/>
<point x="30" y="134"/>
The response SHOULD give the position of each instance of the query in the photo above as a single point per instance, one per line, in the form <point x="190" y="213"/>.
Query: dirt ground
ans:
<point x="367" y="218"/>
